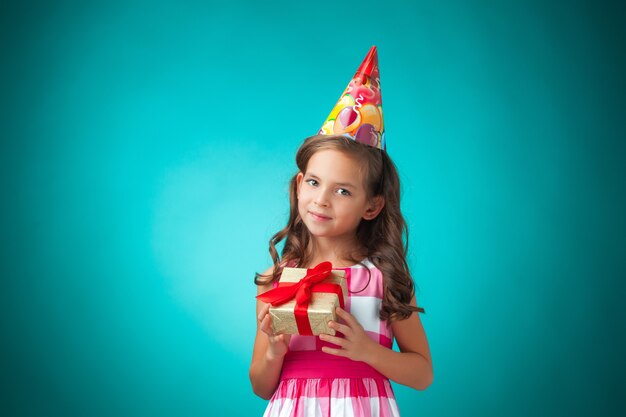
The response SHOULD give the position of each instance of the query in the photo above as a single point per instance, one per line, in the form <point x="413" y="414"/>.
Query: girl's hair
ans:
<point x="385" y="238"/>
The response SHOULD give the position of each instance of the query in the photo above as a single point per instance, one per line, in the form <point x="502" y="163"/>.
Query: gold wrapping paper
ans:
<point x="321" y="307"/>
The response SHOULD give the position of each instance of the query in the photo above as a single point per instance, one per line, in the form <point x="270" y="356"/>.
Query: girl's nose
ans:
<point x="321" y="199"/>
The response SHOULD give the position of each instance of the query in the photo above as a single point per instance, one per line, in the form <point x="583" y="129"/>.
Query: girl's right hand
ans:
<point x="278" y="343"/>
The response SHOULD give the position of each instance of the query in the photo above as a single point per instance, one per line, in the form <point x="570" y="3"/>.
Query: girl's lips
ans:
<point x="318" y="217"/>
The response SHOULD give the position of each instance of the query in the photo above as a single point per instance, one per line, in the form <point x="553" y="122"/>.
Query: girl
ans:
<point x="345" y="208"/>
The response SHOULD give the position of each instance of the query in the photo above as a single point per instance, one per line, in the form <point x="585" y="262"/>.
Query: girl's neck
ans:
<point x="340" y="253"/>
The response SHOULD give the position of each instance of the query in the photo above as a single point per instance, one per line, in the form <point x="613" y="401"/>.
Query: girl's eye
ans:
<point x="343" y="191"/>
<point x="311" y="182"/>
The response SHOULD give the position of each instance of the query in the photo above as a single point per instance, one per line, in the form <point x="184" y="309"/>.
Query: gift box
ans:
<point x="306" y="299"/>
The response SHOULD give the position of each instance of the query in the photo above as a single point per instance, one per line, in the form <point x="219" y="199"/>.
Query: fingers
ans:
<point x="336" y="352"/>
<point x="265" y="325"/>
<point x="351" y="326"/>
<point x="264" y="321"/>
<point x="355" y="344"/>
<point x="339" y="341"/>
<point x="341" y="328"/>
<point x="264" y="310"/>
<point x="347" y="317"/>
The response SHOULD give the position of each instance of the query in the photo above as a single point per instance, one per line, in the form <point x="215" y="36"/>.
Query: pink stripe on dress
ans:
<point x="317" y="364"/>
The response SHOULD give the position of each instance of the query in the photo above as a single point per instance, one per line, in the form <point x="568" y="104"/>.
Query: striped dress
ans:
<point x="317" y="384"/>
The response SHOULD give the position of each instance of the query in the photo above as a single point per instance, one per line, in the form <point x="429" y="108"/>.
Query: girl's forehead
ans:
<point x="335" y="166"/>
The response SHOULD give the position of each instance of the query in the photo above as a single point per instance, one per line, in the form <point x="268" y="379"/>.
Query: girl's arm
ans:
<point x="269" y="351"/>
<point x="412" y="366"/>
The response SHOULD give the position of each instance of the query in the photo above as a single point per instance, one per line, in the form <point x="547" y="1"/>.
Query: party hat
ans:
<point x="359" y="112"/>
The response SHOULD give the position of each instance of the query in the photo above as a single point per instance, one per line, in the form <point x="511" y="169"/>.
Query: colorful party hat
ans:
<point x="359" y="112"/>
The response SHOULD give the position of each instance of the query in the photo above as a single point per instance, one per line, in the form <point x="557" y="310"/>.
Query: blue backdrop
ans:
<point x="146" y="151"/>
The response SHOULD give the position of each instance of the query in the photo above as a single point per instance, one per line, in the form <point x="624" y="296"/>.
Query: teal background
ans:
<point x="146" y="150"/>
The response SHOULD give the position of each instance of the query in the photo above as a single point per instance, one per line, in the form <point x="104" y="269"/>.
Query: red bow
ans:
<point x="301" y="291"/>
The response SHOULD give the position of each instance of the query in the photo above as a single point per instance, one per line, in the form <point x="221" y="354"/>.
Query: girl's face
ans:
<point x="332" y="198"/>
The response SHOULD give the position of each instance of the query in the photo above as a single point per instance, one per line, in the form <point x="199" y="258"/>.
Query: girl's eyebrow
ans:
<point x="340" y="184"/>
<point x="345" y="184"/>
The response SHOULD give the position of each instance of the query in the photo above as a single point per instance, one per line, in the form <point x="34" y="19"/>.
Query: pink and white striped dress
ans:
<point x="317" y="384"/>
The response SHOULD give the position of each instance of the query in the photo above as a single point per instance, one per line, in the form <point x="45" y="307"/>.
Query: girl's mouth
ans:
<point x="318" y="216"/>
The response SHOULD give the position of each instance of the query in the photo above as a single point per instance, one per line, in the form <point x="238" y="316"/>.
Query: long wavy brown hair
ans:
<point x="385" y="238"/>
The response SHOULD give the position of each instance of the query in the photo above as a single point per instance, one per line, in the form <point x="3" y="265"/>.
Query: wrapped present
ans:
<point x="305" y="300"/>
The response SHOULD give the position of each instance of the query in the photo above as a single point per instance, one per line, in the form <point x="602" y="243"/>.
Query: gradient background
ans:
<point x="146" y="150"/>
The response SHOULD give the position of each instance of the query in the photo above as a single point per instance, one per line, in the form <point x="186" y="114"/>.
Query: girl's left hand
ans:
<point x="355" y="344"/>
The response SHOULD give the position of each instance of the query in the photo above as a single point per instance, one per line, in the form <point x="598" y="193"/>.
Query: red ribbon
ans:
<point x="302" y="291"/>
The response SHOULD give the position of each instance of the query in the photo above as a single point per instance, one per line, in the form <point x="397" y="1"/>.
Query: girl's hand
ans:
<point x="355" y="344"/>
<point x="278" y="343"/>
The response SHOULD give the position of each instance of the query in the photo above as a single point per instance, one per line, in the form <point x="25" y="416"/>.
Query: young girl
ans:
<point x="344" y="208"/>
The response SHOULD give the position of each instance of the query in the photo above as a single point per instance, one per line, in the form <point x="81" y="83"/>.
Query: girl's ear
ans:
<point x="374" y="207"/>
<point x="298" y="183"/>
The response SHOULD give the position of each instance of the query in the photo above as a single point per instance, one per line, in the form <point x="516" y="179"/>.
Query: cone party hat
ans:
<point x="359" y="112"/>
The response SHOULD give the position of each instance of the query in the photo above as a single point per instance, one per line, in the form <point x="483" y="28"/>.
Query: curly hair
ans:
<point x="385" y="238"/>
